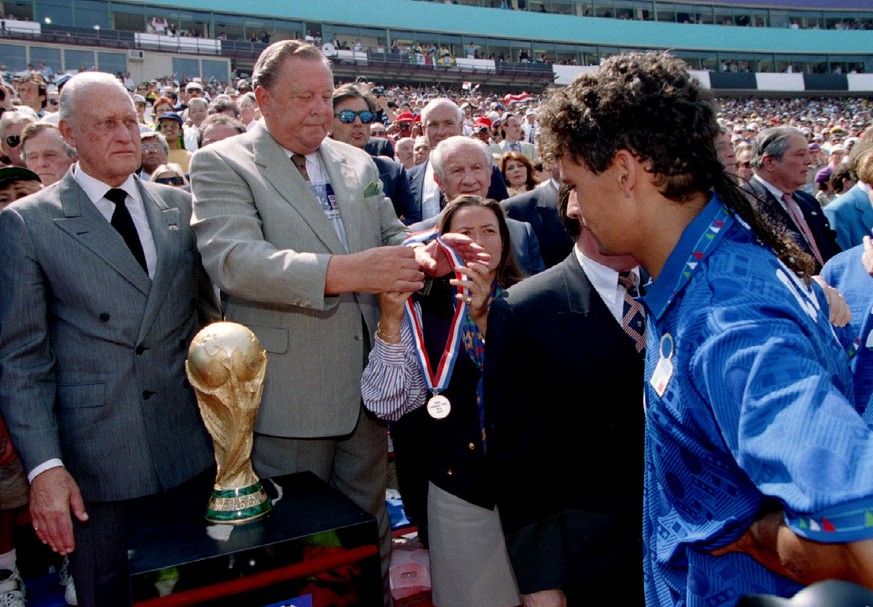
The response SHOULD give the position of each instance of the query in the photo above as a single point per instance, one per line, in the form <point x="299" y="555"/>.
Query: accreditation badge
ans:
<point x="664" y="369"/>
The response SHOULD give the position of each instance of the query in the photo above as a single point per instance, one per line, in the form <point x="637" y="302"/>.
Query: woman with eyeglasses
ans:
<point x="170" y="174"/>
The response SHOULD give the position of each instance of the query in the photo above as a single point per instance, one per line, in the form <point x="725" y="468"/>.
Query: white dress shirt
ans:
<point x="95" y="190"/>
<point x="605" y="282"/>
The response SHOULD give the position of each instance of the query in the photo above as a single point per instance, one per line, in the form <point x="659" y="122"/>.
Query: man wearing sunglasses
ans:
<point x="352" y="115"/>
<point x="92" y="351"/>
<point x="11" y="126"/>
<point x="297" y="233"/>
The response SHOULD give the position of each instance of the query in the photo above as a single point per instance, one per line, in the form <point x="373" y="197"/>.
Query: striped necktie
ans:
<point x="634" y="319"/>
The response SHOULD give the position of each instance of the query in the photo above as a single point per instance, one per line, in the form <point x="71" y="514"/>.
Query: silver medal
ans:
<point x="438" y="406"/>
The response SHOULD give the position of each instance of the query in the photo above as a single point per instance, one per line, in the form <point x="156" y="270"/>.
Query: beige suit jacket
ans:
<point x="266" y="242"/>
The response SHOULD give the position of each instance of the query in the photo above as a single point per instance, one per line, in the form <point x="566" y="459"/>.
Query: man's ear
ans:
<point x="627" y="171"/>
<point x="66" y="132"/>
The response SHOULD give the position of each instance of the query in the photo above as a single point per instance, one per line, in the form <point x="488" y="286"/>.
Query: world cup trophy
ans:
<point x="226" y="366"/>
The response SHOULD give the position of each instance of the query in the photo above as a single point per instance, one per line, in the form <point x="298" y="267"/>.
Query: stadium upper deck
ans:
<point x="773" y="46"/>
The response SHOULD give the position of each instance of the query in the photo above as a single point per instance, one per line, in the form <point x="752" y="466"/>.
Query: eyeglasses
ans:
<point x="348" y="116"/>
<point x="13" y="140"/>
<point x="746" y="165"/>
<point x="54" y="102"/>
<point x="155" y="147"/>
<point x="404" y="125"/>
<point x="170" y="180"/>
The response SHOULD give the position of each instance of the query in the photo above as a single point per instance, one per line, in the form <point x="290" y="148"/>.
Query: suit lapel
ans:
<point x="165" y="223"/>
<point x="577" y="287"/>
<point x="84" y="223"/>
<point x="280" y="172"/>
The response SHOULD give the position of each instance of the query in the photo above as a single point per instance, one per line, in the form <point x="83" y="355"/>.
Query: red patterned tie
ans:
<point x="299" y="161"/>
<point x="634" y="319"/>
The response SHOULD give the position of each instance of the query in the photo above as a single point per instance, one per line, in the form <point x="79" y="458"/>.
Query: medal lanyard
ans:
<point x="437" y="380"/>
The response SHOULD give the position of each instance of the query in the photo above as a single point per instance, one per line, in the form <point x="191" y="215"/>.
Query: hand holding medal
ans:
<point x="474" y="287"/>
<point x="438" y="379"/>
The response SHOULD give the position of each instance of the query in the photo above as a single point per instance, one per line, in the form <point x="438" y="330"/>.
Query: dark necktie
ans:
<point x="634" y="319"/>
<point x="123" y="223"/>
<point x="299" y="161"/>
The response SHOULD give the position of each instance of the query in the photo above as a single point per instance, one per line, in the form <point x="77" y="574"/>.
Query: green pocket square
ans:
<point x="372" y="189"/>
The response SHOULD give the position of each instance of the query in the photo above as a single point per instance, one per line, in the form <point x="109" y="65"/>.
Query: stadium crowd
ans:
<point x="179" y="116"/>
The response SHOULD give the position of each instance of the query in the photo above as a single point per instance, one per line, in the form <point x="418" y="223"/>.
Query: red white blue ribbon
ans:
<point x="437" y="380"/>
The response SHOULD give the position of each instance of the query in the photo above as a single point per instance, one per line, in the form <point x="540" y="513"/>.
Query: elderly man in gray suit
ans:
<point x="298" y="253"/>
<point x="101" y="285"/>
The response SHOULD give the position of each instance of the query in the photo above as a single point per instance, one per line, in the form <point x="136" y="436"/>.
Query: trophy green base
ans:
<point x="238" y="506"/>
<point x="315" y="541"/>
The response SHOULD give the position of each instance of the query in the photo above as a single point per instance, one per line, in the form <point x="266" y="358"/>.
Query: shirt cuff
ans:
<point x="52" y="463"/>
<point x="388" y="354"/>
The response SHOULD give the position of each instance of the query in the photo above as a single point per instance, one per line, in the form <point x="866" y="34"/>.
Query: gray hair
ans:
<point x="450" y="146"/>
<point x="15" y="117"/>
<point x="773" y="142"/>
<point x="198" y="101"/>
<point x="268" y="64"/>
<point x="35" y="128"/>
<point x="156" y="135"/>
<point x="78" y="83"/>
<point x="438" y="103"/>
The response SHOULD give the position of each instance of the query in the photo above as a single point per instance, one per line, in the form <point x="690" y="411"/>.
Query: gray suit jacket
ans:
<point x="851" y="216"/>
<point x="266" y="242"/>
<point x="92" y="351"/>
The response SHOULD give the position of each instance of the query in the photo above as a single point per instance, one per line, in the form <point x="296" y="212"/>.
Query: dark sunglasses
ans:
<point x="13" y="140"/>
<point x="170" y="180"/>
<point x="348" y="116"/>
<point x="404" y="125"/>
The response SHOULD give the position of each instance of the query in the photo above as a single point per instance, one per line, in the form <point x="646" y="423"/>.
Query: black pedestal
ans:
<point x="315" y="546"/>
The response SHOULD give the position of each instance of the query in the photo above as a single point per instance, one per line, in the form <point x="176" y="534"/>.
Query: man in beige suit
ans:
<point x="298" y="254"/>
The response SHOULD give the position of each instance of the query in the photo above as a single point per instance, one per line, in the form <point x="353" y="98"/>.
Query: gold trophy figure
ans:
<point x="226" y="366"/>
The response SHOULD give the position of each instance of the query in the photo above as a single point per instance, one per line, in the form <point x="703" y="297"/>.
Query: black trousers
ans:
<point x="99" y="563"/>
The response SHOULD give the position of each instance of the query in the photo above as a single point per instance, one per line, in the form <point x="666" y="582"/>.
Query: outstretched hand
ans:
<point x="434" y="261"/>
